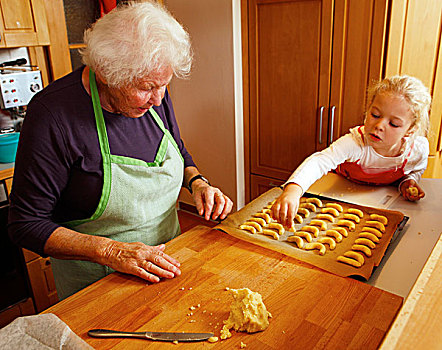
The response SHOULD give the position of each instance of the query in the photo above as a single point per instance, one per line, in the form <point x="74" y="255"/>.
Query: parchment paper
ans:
<point x="40" y="332"/>
<point x="328" y="261"/>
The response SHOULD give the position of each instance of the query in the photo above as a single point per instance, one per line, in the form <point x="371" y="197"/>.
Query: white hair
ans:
<point x="413" y="91"/>
<point x="135" y="39"/>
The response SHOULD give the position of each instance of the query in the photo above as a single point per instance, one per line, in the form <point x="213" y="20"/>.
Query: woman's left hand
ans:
<point x="210" y="201"/>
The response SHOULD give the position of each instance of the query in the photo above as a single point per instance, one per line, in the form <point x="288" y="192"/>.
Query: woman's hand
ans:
<point x="148" y="262"/>
<point x="210" y="201"/>
<point x="411" y="191"/>
<point x="286" y="205"/>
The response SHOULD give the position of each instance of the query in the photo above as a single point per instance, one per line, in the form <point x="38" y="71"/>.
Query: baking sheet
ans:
<point x="328" y="261"/>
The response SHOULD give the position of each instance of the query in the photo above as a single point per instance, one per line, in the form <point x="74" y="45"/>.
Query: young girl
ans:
<point x="391" y="147"/>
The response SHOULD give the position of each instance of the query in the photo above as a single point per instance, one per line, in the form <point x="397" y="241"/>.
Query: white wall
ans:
<point x="208" y="106"/>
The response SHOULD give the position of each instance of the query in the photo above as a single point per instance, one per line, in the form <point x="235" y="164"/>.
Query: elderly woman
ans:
<point x="100" y="162"/>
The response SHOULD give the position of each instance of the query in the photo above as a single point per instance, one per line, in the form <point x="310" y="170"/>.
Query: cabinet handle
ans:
<point x="332" y="122"/>
<point x="271" y="184"/>
<point x="321" y="113"/>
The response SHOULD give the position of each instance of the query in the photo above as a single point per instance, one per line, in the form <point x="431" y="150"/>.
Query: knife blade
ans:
<point x="160" y="336"/>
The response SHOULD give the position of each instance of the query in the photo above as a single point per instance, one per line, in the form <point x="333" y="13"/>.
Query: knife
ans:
<point x="161" y="336"/>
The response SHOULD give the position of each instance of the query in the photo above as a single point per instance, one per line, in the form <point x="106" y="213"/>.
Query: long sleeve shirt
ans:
<point x="58" y="170"/>
<point x="353" y="148"/>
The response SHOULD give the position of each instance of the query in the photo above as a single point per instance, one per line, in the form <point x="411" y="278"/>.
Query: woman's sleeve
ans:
<point x="172" y="126"/>
<point x="320" y="163"/>
<point x="40" y="174"/>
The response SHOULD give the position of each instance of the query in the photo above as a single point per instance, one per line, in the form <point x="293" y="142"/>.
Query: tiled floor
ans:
<point x="189" y="220"/>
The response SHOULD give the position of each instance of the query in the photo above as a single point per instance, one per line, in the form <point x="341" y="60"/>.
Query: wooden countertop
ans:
<point x="310" y="307"/>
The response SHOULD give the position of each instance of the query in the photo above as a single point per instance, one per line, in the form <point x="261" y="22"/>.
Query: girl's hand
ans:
<point x="286" y="205"/>
<point x="411" y="191"/>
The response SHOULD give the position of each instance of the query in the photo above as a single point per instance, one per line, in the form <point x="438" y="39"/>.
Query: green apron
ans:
<point x="137" y="204"/>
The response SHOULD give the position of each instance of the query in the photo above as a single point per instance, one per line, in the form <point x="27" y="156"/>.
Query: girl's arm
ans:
<point x="313" y="168"/>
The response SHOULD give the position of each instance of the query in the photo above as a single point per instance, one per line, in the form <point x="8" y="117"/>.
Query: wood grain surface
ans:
<point x="311" y="308"/>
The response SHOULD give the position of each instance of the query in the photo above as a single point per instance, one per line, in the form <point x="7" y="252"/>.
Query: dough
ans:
<point x="309" y="206"/>
<point x="413" y="191"/>
<point x="336" y="206"/>
<point x="356" y="211"/>
<point x="247" y="313"/>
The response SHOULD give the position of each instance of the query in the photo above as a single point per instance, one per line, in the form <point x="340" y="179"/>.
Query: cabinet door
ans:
<point x="358" y="50"/>
<point x="289" y="72"/>
<point x="24" y="23"/>
<point x="261" y="184"/>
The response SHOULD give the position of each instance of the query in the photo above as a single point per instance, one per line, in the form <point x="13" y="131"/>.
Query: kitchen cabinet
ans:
<point x="309" y="66"/>
<point x="39" y="269"/>
<point x="416" y="28"/>
<point x="23" y="23"/>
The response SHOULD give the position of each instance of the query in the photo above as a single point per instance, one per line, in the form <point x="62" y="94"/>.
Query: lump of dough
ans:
<point x="247" y="313"/>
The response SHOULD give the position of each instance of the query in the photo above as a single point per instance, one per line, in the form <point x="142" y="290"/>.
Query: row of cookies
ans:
<point x="367" y="240"/>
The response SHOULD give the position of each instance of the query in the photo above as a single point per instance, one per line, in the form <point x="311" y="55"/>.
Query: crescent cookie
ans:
<point x="335" y="234"/>
<point x="292" y="228"/>
<point x="369" y="236"/>
<point x="379" y="225"/>
<point x="362" y="248"/>
<point x="355" y="255"/>
<point x="349" y="261"/>
<point x="379" y="218"/>
<point x="352" y="217"/>
<point x="316" y="245"/>
<point x="315" y="201"/>
<point x="260" y="221"/>
<point x="251" y="229"/>
<point x="336" y="206"/>
<point x="365" y="241"/>
<point x="372" y="230"/>
<point x="264" y="216"/>
<point x="297" y="240"/>
<point x="342" y="230"/>
<point x="312" y="229"/>
<point x="276" y="226"/>
<point x="327" y="240"/>
<point x="350" y="224"/>
<point x="304" y="234"/>
<point x="331" y="211"/>
<point x="270" y="233"/>
<point x="327" y="217"/>
<point x="267" y="211"/>
<point x="309" y="206"/>
<point x="321" y="223"/>
<point x="356" y="211"/>
<point x="298" y="219"/>
<point x="304" y="212"/>
<point x="257" y="226"/>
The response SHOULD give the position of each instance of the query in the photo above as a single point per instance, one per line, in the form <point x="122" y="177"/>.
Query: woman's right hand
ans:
<point x="147" y="262"/>
<point x="286" y="205"/>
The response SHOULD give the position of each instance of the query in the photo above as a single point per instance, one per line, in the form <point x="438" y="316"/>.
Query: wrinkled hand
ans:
<point x="408" y="194"/>
<point x="148" y="262"/>
<point x="286" y="205"/>
<point x="210" y="201"/>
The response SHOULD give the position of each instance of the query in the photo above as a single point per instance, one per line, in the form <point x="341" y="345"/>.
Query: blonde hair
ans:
<point x="135" y="39"/>
<point x="413" y="91"/>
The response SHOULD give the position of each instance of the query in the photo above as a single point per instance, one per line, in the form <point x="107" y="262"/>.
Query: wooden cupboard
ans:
<point x="309" y="63"/>
<point x="23" y="23"/>
<point x="415" y="49"/>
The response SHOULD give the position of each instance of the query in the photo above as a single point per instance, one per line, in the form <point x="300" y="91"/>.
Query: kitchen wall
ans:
<point x="208" y="105"/>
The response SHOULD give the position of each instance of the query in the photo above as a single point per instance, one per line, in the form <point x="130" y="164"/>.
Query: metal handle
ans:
<point x="321" y="113"/>
<point x="332" y="122"/>
<point x="107" y="333"/>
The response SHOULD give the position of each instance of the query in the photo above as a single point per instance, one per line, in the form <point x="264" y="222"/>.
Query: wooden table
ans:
<point x="311" y="308"/>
